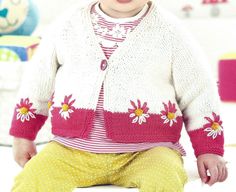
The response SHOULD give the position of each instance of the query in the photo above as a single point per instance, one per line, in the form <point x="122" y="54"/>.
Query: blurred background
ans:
<point x="22" y="22"/>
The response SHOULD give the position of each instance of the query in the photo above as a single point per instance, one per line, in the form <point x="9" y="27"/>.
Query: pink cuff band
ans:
<point x="27" y="129"/>
<point x="203" y="143"/>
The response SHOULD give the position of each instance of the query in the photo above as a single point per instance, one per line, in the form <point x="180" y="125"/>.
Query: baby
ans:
<point x="118" y="78"/>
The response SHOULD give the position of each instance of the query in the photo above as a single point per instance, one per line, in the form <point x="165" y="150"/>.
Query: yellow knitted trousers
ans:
<point x="61" y="169"/>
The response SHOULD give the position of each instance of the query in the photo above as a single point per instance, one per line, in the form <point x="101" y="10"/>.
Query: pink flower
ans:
<point x="214" y="127"/>
<point x="66" y="107"/>
<point x="25" y="112"/>
<point x="139" y="113"/>
<point x="169" y="114"/>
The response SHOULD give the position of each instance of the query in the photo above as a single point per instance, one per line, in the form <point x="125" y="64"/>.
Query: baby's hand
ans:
<point x="216" y="166"/>
<point x="23" y="150"/>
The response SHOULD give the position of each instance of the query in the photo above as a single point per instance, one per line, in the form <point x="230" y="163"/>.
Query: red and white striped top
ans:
<point x="111" y="33"/>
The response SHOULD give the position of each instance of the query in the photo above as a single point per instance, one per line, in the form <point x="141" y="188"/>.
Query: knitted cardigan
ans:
<point x="153" y="83"/>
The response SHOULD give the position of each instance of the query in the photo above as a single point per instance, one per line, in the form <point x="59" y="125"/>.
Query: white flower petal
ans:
<point x="132" y="115"/>
<point x="166" y="121"/>
<point x="61" y="111"/>
<point x="208" y="129"/>
<point x="65" y="115"/>
<point x="62" y="114"/>
<point x="18" y="116"/>
<point x="211" y="133"/>
<point x="135" y="120"/>
<point x="143" y="119"/>
<point x="31" y="115"/>
<point x="163" y="117"/>
<point x="27" y="117"/>
<point x="146" y="115"/>
<point x="214" y="135"/>
<point x="171" y="123"/>
<point x="140" y="121"/>
<point x="23" y="118"/>
<point x="70" y="111"/>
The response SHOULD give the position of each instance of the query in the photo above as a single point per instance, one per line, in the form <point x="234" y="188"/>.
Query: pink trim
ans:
<point x="79" y="124"/>
<point x="27" y="129"/>
<point x="120" y="128"/>
<point x="203" y="144"/>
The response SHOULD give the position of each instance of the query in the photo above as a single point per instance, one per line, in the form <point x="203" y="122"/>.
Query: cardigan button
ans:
<point x="103" y="64"/>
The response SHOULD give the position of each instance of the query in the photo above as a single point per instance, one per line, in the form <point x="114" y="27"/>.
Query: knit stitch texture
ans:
<point x="154" y="82"/>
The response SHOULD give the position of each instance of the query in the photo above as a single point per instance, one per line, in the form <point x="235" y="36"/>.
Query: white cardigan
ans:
<point x="157" y="76"/>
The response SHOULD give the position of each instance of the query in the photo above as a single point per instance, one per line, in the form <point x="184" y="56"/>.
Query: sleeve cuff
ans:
<point x="26" y="127"/>
<point x="206" y="140"/>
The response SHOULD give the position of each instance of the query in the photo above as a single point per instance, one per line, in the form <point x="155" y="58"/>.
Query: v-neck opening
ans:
<point x="120" y="49"/>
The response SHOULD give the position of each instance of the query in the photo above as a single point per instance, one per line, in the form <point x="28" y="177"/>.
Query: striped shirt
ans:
<point x="111" y="33"/>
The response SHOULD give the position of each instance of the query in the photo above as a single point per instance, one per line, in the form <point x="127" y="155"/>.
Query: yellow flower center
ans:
<point x="138" y="112"/>
<point x="49" y="104"/>
<point x="215" y="126"/>
<point x="24" y="110"/>
<point x="170" y="115"/>
<point x="65" y="107"/>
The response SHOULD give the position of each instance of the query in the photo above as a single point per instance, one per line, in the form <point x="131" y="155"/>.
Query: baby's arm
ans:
<point x="31" y="110"/>
<point x="198" y="99"/>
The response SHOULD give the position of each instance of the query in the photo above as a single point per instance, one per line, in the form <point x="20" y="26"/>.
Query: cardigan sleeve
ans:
<point x="37" y="86"/>
<point x="197" y="95"/>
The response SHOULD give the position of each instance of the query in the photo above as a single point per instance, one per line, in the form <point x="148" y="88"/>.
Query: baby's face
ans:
<point x="123" y="6"/>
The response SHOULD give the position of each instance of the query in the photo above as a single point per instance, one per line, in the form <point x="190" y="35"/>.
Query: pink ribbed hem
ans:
<point x="120" y="128"/>
<point x="203" y="144"/>
<point x="79" y="123"/>
<point x="27" y="129"/>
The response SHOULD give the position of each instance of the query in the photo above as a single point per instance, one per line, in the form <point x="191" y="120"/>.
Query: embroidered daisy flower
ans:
<point x="118" y="31"/>
<point x="139" y="113"/>
<point x="24" y="110"/>
<point x="214" y="127"/>
<point x="169" y="114"/>
<point x="66" y="107"/>
<point x="50" y="102"/>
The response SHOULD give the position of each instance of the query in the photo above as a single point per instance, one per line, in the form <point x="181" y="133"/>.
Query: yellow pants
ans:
<point x="61" y="169"/>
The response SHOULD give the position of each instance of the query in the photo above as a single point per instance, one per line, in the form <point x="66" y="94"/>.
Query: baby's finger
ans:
<point x="224" y="175"/>
<point x="213" y="175"/>
<point x="202" y="172"/>
<point x="220" y="168"/>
